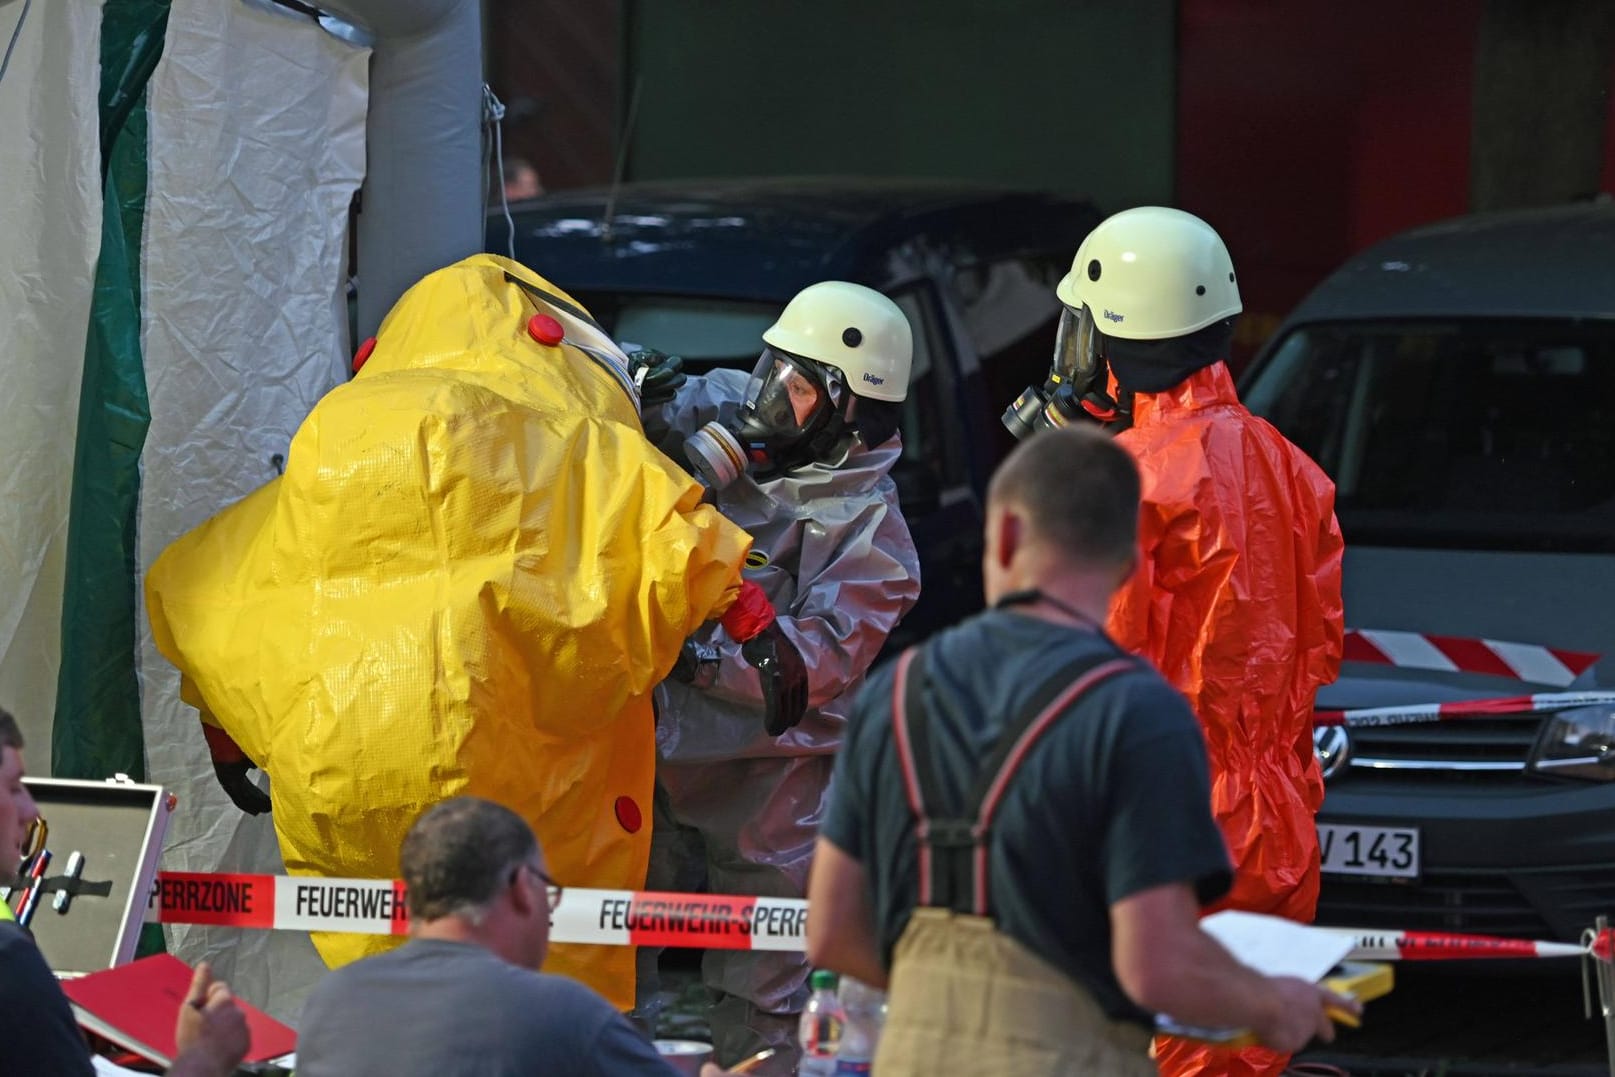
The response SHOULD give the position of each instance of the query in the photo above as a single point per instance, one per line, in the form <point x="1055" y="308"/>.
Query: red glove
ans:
<point x="752" y="623"/>
<point x="751" y="613"/>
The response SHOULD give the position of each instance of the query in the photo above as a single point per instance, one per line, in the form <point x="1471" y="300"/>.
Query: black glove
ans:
<point x="663" y="374"/>
<point x="239" y="788"/>
<point x="784" y="675"/>
<point x="688" y="664"/>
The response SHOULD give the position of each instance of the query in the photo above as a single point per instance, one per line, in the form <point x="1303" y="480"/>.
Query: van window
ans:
<point x="930" y="437"/>
<point x="1010" y="314"/>
<point x="706" y="332"/>
<point x="1472" y="434"/>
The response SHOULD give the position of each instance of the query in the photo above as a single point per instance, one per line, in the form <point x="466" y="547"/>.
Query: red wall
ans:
<point x="557" y="66"/>
<point x="1308" y="130"/>
<point x="1607" y="185"/>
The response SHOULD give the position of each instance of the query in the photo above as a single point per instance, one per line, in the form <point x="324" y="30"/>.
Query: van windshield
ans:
<point x="705" y="332"/>
<point x="1469" y="434"/>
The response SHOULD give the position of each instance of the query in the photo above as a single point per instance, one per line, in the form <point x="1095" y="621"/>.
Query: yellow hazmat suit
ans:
<point x="471" y="576"/>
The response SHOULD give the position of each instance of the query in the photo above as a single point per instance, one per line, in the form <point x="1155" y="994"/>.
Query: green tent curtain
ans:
<point x="97" y="730"/>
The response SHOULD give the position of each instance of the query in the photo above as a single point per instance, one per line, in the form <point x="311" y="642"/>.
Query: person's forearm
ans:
<point x="841" y="933"/>
<point x="844" y="944"/>
<point x="1200" y="983"/>
<point x="850" y="953"/>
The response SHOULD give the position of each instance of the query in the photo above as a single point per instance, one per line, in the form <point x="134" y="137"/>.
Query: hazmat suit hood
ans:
<point x="469" y="579"/>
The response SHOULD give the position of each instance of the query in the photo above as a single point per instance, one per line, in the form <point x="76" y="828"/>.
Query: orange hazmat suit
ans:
<point x="1237" y="602"/>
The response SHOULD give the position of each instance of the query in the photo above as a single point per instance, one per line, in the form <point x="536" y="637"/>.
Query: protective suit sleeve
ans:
<point x="703" y="398"/>
<point x="855" y="585"/>
<point x="1182" y="565"/>
<point x="210" y="559"/>
<point x="1325" y="639"/>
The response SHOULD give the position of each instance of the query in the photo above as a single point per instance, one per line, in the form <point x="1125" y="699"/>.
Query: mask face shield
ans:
<point x="789" y="398"/>
<point x="1076" y="349"/>
<point x="1076" y="388"/>
<point x="792" y="406"/>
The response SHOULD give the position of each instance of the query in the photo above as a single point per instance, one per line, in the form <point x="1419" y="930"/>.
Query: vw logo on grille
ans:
<point x="1332" y="745"/>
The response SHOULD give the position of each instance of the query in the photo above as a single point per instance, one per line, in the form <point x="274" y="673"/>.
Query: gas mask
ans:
<point x="1076" y="386"/>
<point x="795" y="413"/>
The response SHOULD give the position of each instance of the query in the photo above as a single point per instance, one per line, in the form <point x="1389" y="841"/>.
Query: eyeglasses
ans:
<point x="552" y="889"/>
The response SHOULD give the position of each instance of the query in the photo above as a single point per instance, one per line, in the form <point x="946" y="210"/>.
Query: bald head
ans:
<point x="1077" y="492"/>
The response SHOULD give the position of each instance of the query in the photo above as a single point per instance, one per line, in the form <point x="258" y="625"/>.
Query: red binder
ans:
<point x="135" y="1006"/>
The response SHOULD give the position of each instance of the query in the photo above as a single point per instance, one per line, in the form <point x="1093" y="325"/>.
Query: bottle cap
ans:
<point x="822" y="980"/>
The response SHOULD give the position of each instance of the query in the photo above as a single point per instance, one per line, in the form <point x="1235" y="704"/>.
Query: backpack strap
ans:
<point x="953" y="846"/>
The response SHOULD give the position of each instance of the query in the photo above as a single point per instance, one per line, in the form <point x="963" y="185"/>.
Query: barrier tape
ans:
<point x="650" y="918"/>
<point x="1466" y="708"/>
<point x="1454" y="654"/>
<point x="376" y="907"/>
<point x="1437" y="946"/>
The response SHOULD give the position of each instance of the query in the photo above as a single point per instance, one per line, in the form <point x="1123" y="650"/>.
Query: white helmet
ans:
<point x="856" y="330"/>
<point x="1152" y="273"/>
<point x="833" y="370"/>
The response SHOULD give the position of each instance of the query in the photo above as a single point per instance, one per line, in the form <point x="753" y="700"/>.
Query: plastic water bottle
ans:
<point x="863" y="1009"/>
<point x="820" y="1030"/>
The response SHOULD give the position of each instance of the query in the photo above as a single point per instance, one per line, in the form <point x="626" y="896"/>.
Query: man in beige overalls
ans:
<point x="1020" y="838"/>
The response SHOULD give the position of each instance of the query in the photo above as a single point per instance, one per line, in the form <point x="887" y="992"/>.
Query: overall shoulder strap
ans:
<point x="911" y="732"/>
<point x="1059" y="696"/>
<point x="948" y="877"/>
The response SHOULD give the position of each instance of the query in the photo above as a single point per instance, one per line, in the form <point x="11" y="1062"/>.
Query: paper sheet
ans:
<point x="1278" y="947"/>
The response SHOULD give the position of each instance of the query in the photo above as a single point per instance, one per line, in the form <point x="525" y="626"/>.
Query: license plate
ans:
<point x="1385" y="852"/>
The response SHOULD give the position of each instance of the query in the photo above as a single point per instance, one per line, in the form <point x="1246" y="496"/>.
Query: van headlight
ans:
<point x="1576" y="743"/>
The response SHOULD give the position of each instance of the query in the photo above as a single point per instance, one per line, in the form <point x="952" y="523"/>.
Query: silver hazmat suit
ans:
<point x="833" y="553"/>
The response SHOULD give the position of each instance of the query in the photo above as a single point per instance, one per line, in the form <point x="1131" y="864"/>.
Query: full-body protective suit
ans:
<point x="469" y="580"/>
<point x="1237" y="596"/>
<point x="833" y="553"/>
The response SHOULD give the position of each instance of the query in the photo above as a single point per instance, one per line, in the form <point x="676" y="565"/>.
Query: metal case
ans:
<point x="118" y="826"/>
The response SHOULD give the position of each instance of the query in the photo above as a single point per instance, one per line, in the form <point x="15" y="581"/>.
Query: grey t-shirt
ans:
<point x="1114" y="799"/>
<point x="447" y="1009"/>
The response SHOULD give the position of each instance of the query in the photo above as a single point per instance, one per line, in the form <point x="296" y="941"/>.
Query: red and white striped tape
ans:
<point x="1438" y="946"/>
<point x="1454" y="654"/>
<point x="282" y="902"/>
<point x="647" y="918"/>
<point x="1465" y="708"/>
<point x="376" y="907"/>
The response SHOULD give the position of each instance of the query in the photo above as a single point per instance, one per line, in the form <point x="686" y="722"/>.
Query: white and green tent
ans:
<point x="175" y="184"/>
